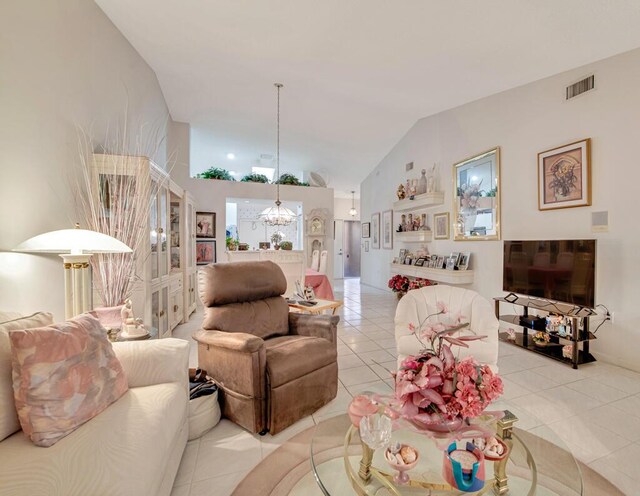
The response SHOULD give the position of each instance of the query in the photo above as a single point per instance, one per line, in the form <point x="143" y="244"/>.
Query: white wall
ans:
<point x="341" y="207"/>
<point x="62" y="64"/>
<point x="523" y="122"/>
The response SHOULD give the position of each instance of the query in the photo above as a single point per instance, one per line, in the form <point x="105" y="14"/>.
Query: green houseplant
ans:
<point x="255" y="178"/>
<point x="286" y="245"/>
<point x="291" y="180"/>
<point x="216" y="173"/>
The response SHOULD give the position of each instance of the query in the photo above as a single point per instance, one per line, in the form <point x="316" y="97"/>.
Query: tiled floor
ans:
<point x="595" y="410"/>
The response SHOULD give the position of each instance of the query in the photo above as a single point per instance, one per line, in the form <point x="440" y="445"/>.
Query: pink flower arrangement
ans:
<point x="419" y="282"/>
<point x="399" y="284"/>
<point x="434" y="386"/>
<point x="469" y="195"/>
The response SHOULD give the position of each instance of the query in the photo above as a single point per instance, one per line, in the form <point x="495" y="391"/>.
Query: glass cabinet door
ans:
<point x="155" y="310"/>
<point x="162" y="232"/>
<point x="164" y="312"/>
<point x="153" y="228"/>
<point x="191" y="215"/>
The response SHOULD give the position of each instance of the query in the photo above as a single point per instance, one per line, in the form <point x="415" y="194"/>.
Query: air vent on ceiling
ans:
<point x="586" y="84"/>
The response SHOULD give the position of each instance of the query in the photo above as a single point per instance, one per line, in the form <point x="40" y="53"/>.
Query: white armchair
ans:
<point x="416" y="305"/>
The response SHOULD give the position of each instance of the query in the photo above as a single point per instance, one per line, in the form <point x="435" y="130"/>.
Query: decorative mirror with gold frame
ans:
<point x="476" y="198"/>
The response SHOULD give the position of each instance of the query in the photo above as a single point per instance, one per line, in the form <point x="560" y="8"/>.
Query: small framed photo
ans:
<point x="366" y="245"/>
<point x="463" y="263"/>
<point x="366" y="229"/>
<point x="205" y="252"/>
<point x="451" y="263"/>
<point x="564" y="176"/>
<point x="441" y="225"/>
<point x="455" y="255"/>
<point x="402" y="255"/>
<point x="387" y="229"/>
<point x="433" y="261"/>
<point x="205" y="224"/>
<point x="420" y="262"/>
<point x="264" y="245"/>
<point x="375" y="231"/>
<point x="440" y="262"/>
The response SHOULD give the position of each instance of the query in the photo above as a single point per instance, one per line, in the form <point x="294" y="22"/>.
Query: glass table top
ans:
<point x="537" y="464"/>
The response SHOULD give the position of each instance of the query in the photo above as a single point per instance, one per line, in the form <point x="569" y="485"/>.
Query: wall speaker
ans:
<point x="599" y="222"/>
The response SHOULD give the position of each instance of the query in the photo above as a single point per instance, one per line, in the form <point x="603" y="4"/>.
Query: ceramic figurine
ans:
<point x="416" y="224"/>
<point x="422" y="183"/>
<point x="401" y="192"/>
<point x="423" y="222"/>
<point x="403" y="222"/>
<point x="431" y="181"/>
<point x="131" y="327"/>
<point x="414" y="187"/>
<point x="407" y="188"/>
<point x="410" y="223"/>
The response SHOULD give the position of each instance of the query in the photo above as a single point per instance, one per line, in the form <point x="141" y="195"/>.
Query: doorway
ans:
<point x="351" y="240"/>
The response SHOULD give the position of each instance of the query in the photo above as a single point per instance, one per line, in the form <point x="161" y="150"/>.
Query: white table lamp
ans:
<point x="75" y="246"/>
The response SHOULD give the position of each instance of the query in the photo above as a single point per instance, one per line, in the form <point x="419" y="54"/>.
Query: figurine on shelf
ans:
<point x="401" y="192"/>
<point x="414" y="187"/>
<point x="131" y="327"/>
<point x="431" y="181"/>
<point x="416" y="223"/>
<point x="422" y="183"/>
<point x="407" y="189"/>
<point x="423" y="222"/>
<point x="403" y="223"/>
<point x="409" y="223"/>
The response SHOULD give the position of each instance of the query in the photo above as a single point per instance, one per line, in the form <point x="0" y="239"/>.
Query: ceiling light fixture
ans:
<point x="278" y="215"/>
<point x="353" y="212"/>
<point x="231" y="156"/>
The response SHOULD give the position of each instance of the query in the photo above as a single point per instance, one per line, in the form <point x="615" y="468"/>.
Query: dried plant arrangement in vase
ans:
<point x="117" y="201"/>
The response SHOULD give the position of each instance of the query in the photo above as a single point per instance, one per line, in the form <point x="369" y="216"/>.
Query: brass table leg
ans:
<point x="505" y="429"/>
<point x="365" y="462"/>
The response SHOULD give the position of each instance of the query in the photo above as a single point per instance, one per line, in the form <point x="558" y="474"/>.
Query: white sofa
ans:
<point x="134" y="447"/>
<point x="416" y="305"/>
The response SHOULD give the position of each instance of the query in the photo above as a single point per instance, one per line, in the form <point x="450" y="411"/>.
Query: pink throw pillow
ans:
<point x="63" y="375"/>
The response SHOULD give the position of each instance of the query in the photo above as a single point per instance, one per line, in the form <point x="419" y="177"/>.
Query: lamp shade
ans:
<point x="73" y="241"/>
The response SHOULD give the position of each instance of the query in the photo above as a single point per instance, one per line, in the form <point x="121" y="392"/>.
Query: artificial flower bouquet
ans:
<point x="419" y="282"/>
<point x="435" y="387"/>
<point x="399" y="283"/>
<point x="541" y="338"/>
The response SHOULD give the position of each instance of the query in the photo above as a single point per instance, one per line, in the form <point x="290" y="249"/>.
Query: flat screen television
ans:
<point x="559" y="270"/>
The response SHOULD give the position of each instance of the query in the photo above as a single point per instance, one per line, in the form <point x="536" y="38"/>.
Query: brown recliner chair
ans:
<point x="273" y="367"/>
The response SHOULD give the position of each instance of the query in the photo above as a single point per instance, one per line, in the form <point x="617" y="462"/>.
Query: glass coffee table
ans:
<point x="342" y="465"/>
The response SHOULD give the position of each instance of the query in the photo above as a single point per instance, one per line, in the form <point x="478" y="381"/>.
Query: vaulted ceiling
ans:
<point x="357" y="73"/>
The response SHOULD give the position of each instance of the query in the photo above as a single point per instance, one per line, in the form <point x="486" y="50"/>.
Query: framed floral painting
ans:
<point x="205" y="252"/>
<point x="375" y="231"/>
<point x="564" y="176"/>
<point x="387" y="229"/>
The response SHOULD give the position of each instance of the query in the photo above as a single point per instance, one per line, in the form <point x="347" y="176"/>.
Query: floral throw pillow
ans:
<point x="63" y="375"/>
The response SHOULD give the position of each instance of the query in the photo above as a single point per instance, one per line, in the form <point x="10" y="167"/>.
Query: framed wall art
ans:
<point x="441" y="225"/>
<point x="205" y="252"/>
<point x="387" y="229"/>
<point x="366" y="229"/>
<point x="564" y="176"/>
<point x="375" y="231"/>
<point x="205" y="225"/>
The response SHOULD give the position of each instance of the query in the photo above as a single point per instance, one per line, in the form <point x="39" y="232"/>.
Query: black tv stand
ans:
<point x="580" y="336"/>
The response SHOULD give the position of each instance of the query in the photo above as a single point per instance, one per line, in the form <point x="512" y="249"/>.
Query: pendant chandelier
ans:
<point x="277" y="215"/>
<point x="353" y="212"/>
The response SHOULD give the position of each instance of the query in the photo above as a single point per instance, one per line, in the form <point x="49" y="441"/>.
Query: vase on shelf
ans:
<point x="422" y="184"/>
<point x="469" y="216"/>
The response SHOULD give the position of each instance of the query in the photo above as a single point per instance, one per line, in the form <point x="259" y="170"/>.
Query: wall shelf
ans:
<point x="439" y="275"/>
<point x="426" y="200"/>
<point x="414" y="236"/>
